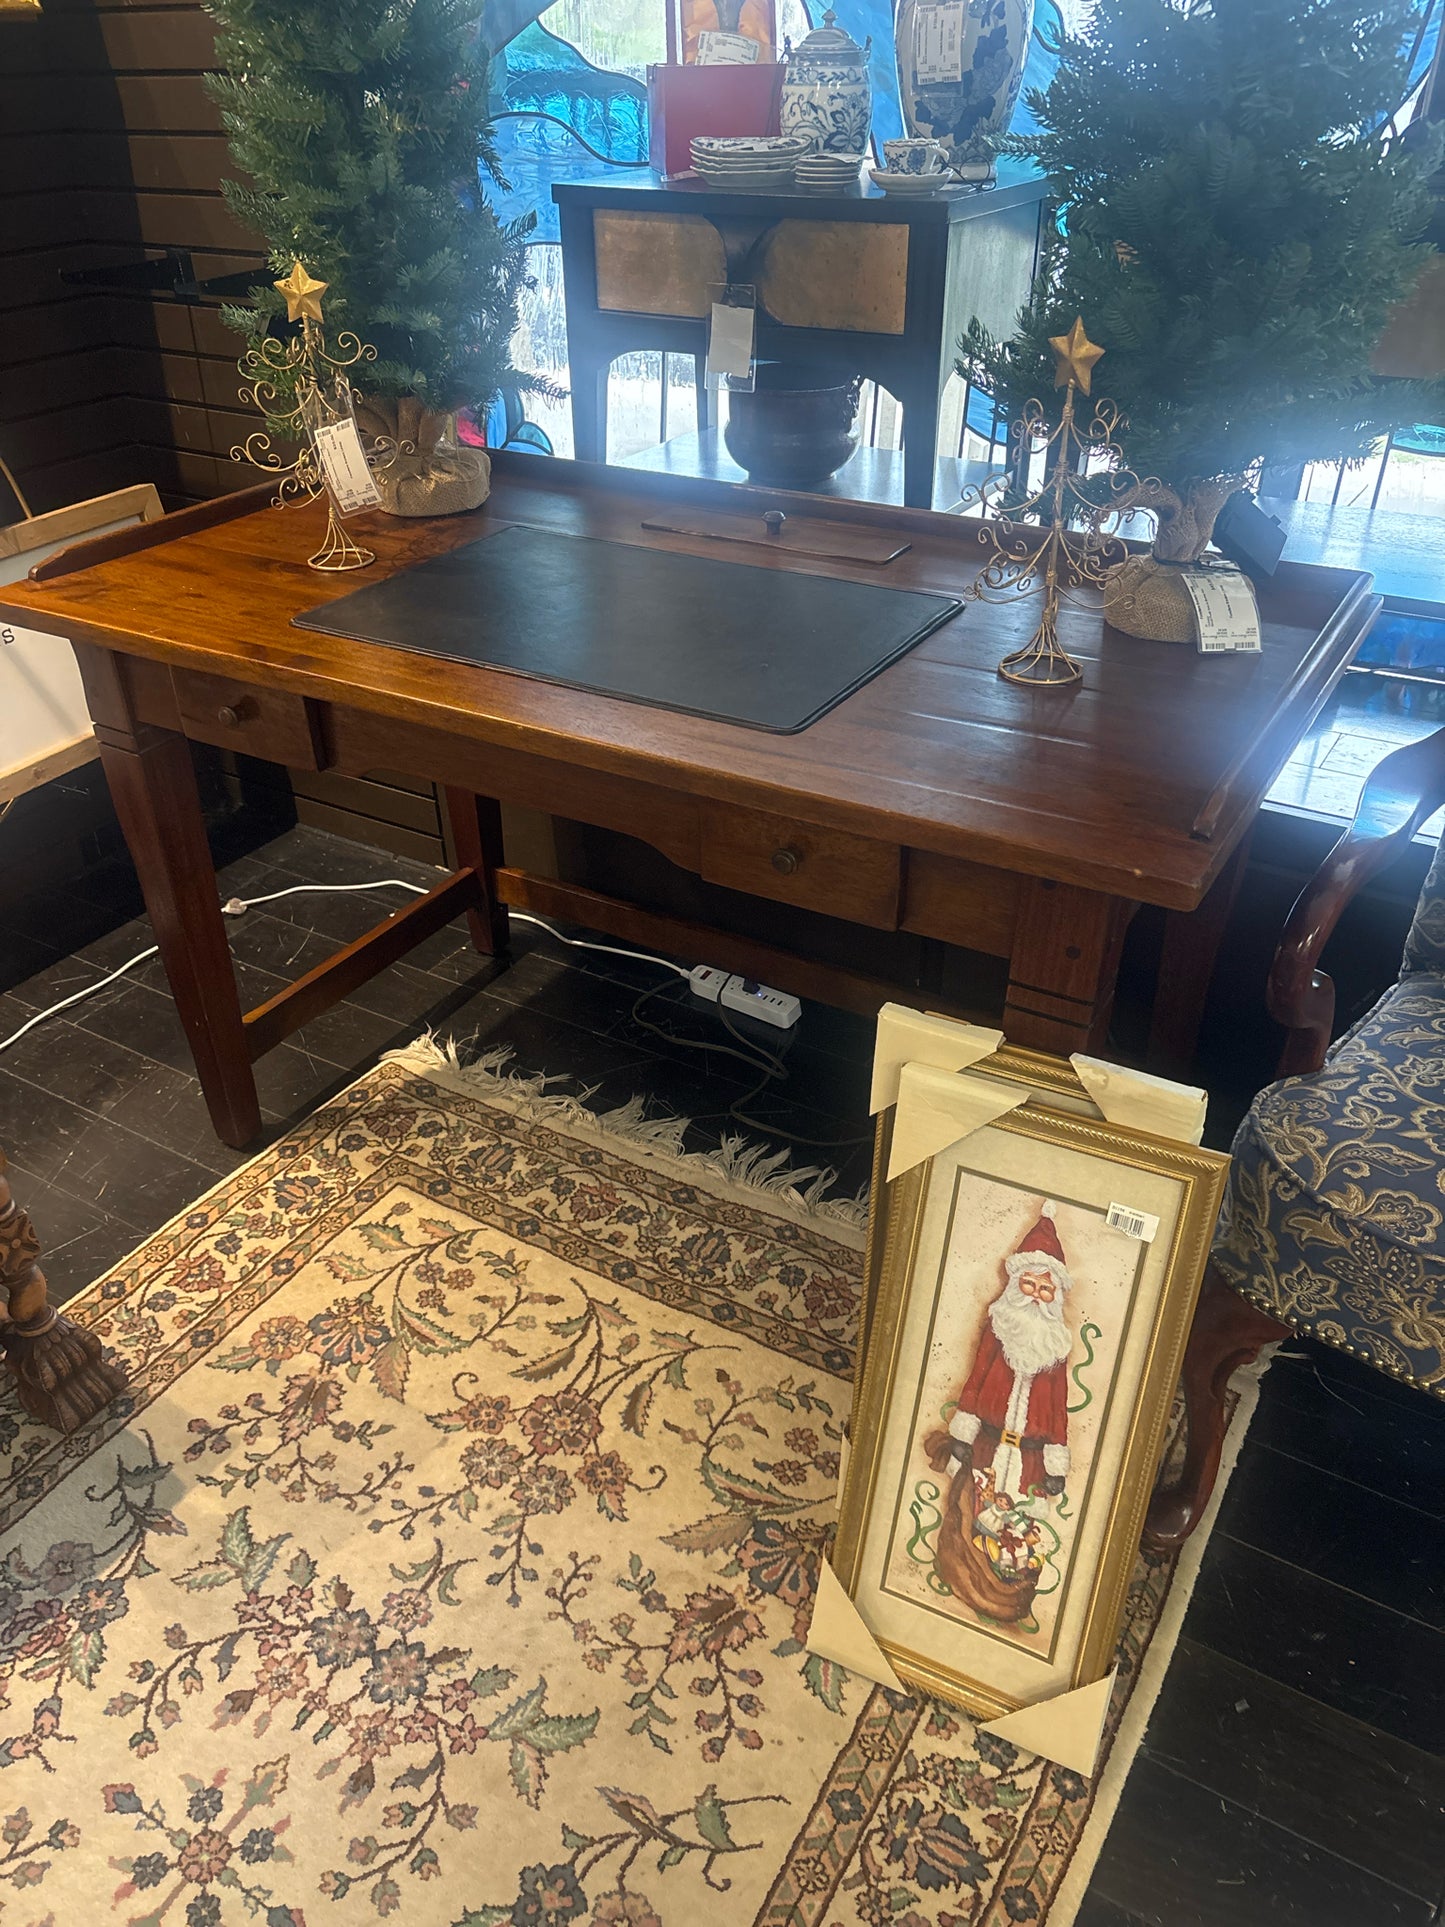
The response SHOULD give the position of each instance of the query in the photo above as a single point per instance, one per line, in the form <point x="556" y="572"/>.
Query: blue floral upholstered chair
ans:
<point x="1334" y="1221"/>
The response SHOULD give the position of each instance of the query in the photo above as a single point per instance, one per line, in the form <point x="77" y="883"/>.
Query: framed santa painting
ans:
<point x="1035" y="1290"/>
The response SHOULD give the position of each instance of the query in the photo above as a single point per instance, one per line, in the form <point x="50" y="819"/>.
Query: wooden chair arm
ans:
<point x="1402" y="791"/>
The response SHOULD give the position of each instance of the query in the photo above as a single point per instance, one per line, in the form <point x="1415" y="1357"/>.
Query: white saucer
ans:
<point x="915" y="186"/>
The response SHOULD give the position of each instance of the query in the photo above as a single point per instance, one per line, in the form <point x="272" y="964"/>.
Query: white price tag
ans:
<point x="938" y="34"/>
<point x="1226" y="610"/>
<point x="726" y="50"/>
<point x="730" y="341"/>
<point x="1142" y="1225"/>
<point x="343" y="463"/>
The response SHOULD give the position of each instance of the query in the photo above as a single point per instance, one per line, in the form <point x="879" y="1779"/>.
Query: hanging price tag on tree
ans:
<point x="343" y="463"/>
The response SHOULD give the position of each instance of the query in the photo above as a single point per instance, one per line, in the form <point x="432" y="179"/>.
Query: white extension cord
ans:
<point x="238" y="906"/>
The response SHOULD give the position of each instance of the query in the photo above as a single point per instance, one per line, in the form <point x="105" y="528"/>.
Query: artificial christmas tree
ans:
<point x="1236" y="227"/>
<point x="363" y="125"/>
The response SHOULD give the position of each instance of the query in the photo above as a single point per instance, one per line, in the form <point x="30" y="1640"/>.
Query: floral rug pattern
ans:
<point x="452" y="1557"/>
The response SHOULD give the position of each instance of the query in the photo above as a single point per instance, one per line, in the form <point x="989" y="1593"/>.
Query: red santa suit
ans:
<point x="1012" y="1411"/>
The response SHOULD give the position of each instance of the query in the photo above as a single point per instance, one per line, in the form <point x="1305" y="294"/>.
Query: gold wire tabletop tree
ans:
<point x="302" y="387"/>
<point x="1081" y="465"/>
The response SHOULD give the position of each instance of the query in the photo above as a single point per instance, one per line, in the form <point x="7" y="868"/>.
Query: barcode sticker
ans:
<point x="1226" y="610"/>
<point x="938" y="35"/>
<point x="343" y="463"/>
<point x="1134" y="1224"/>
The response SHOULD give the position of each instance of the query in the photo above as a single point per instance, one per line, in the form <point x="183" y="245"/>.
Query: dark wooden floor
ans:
<point x="1293" y="1770"/>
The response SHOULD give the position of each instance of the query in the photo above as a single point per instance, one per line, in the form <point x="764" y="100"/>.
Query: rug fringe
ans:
<point x="739" y="1162"/>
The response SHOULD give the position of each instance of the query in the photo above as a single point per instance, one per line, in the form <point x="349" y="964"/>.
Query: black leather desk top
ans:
<point x="770" y="649"/>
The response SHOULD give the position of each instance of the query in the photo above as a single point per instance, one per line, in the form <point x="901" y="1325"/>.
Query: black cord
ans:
<point x="753" y="1054"/>
<point x="536" y="113"/>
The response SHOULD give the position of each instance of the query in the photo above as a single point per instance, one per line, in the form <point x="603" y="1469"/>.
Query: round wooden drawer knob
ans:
<point x="785" y="862"/>
<point x="232" y="715"/>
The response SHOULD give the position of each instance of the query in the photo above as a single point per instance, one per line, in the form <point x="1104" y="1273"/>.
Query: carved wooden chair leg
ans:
<point x="1227" y="1332"/>
<point x="59" y="1373"/>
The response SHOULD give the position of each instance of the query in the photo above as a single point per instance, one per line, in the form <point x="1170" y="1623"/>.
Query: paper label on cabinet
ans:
<point x="726" y="50"/>
<point x="1226" y="610"/>
<point x="343" y="463"/>
<point x="938" y="35"/>
<point x="730" y="341"/>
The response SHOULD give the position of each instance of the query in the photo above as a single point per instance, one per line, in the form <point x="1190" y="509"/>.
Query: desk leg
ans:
<point x="476" y="826"/>
<point x="1186" y="969"/>
<point x="61" y="1378"/>
<point x="153" y="786"/>
<point x="1063" y="967"/>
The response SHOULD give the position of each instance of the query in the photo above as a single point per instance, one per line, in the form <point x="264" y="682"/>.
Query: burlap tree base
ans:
<point x="1146" y="597"/>
<point x="424" y="469"/>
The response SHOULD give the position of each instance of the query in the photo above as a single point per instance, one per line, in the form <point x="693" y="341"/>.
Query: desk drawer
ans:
<point x="258" y="722"/>
<point x="828" y="870"/>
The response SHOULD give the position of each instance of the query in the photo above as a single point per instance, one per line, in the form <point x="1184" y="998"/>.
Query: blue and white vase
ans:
<point x="959" y="67"/>
<point x="826" y="93"/>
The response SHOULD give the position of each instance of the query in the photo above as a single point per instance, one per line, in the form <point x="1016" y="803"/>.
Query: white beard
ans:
<point x="1033" y="1336"/>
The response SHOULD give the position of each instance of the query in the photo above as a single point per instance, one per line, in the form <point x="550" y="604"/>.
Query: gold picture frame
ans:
<point x="933" y="1551"/>
<point x="19" y="6"/>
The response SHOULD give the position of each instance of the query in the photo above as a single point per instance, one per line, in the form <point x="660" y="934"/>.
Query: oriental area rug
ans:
<point x="452" y="1555"/>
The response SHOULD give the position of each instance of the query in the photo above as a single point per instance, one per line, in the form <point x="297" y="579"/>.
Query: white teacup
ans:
<point x="915" y="156"/>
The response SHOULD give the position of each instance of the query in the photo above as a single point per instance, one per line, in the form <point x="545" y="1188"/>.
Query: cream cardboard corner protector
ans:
<point x="1140" y="1102"/>
<point x="936" y="1108"/>
<point x="910" y="1037"/>
<point x="839" y="1632"/>
<point x="1066" y="1729"/>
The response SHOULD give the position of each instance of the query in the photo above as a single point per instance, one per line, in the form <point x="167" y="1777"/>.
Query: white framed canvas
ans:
<point x="44" y="726"/>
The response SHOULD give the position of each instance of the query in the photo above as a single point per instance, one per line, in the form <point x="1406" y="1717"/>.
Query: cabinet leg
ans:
<point x="60" y="1375"/>
<point x="153" y="786"/>
<point x="476" y="827"/>
<point x="920" y="450"/>
<point x="589" y="412"/>
<point x="1063" y="967"/>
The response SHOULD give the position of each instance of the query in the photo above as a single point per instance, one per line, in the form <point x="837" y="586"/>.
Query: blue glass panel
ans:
<point x="1421" y="439"/>
<point x="541" y="88"/>
<point x="1414" y="645"/>
<point x="1042" y="63"/>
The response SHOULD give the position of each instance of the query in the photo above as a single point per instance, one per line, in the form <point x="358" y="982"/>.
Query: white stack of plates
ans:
<point x="828" y="173"/>
<point x="748" y="161"/>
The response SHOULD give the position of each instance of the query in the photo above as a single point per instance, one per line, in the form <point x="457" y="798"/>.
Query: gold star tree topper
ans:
<point x="303" y="295"/>
<point x="1076" y="356"/>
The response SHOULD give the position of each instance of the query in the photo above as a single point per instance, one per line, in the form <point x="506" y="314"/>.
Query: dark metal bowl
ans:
<point x="792" y="436"/>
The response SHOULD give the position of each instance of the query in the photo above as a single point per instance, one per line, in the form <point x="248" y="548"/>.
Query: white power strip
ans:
<point x="747" y="998"/>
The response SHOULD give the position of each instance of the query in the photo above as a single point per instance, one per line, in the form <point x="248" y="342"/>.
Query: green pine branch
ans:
<point x="1232" y="227"/>
<point x="363" y="130"/>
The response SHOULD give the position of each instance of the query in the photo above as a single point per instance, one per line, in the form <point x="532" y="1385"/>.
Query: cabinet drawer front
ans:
<point x="258" y="722"/>
<point x="828" y="870"/>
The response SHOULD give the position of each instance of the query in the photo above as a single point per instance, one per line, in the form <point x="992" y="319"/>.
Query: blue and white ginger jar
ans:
<point x="960" y="63"/>
<point x="826" y="94"/>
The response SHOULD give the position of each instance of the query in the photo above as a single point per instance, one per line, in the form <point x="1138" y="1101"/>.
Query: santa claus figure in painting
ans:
<point x="1011" y="1421"/>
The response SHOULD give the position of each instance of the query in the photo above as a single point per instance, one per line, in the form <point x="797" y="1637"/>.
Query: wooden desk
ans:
<point x="60" y="1377"/>
<point x="939" y="799"/>
<point x="855" y="282"/>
